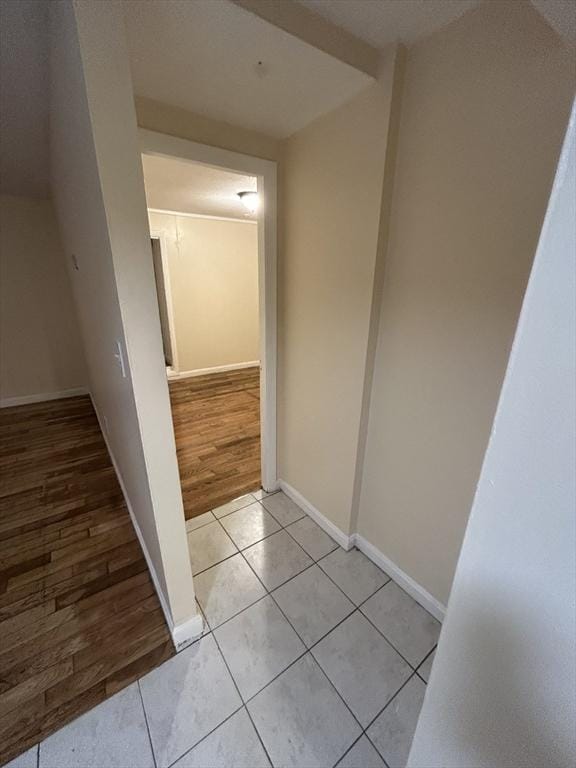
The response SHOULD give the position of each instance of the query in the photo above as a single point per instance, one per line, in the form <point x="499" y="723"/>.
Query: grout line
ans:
<point x="375" y="747"/>
<point x="314" y="562"/>
<point x="350" y="748"/>
<point x="248" y="503"/>
<point x="246" y="607"/>
<point x="336" y="545"/>
<point x="38" y="755"/>
<point x="412" y="667"/>
<point x="418" y="668"/>
<point x="205" y="737"/>
<point x="339" y="695"/>
<point x="371" y="723"/>
<point x="357" y="607"/>
<point x="260" y="739"/>
<point x="218" y="563"/>
<point x="309" y="650"/>
<point x="241" y="697"/>
<point x="147" y="726"/>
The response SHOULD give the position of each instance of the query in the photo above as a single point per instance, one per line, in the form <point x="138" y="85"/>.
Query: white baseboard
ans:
<point x="217" y="369"/>
<point x="415" y="590"/>
<point x="343" y="539"/>
<point x="186" y="633"/>
<point x="41" y="397"/>
<point x="182" y="634"/>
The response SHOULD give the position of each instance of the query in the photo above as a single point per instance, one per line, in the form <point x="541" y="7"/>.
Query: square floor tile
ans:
<point x="186" y="698"/>
<point x="261" y="494"/>
<point x="199" y="521"/>
<point x="276" y="559"/>
<point x="113" y="733"/>
<point x="392" y="732"/>
<point x="312" y="604"/>
<point x="27" y="759"/>
<point x="410" y="629"/>
<point x="362" y="755"/>
<point x="249" y="525"/>
<point x="363" y="667"/>
<point x="354" y="573"/>
<point x="209" y="545"/>
<point x="234" y="744"/>
<point x="282" y="508"/>
<point x="426" y="667"/>
<point x="232" y="506"/>
<point x="258" y="644"/>
<point x="226" y="589"/>
<point x="301" y="718"/>
<point x="311" y="537"/>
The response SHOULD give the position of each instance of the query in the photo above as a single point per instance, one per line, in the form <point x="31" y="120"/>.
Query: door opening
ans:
<point x="215" y="272"/>
<point x="165" y="305"/>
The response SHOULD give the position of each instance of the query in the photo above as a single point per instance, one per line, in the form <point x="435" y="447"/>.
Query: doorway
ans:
<point x="165" y="301"/>
<point x="215" y="270"/>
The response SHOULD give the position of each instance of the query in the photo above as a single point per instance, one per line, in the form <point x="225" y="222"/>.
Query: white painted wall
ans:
<point x="99" y="193"/>
<point x="502" y="690"/>
<point x="40" y="348"/>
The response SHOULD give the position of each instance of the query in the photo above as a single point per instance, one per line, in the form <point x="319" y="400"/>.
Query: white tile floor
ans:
<point x="311" y="656"/>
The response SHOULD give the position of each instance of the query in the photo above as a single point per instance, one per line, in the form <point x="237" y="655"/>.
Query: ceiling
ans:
<point x="203" y="56"/>
<point x="177" y="185"/>
<point x="381" y="22"/>
<point x="24" y="168"/>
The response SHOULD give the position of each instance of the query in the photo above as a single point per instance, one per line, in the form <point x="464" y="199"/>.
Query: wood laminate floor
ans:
<point x="79" y="617"/>
<point x="217" y="428"/>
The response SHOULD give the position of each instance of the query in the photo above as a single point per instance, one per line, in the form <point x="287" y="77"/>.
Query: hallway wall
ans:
<point x="101" y="207"/>
<point x="40" y="348"/>
<point x="485" y="106"/>
<point x="213" y="268"/>
<point x="332" y="177"/>
<point x="502" y="685"/>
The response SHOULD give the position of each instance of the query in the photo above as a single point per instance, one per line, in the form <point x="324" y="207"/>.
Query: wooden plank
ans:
<point x="79" y="617"/>
<point x="217" y="429"/>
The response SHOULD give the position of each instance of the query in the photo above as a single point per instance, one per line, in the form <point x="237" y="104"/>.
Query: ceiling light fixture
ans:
<point x="249" y="200"/>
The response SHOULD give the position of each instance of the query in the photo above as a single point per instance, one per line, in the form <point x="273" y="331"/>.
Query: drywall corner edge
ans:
<point x="186" y="632"/>
<point x="391" y="152"/>
<point x="408" y="584"/>
<point x="345" y="541"/>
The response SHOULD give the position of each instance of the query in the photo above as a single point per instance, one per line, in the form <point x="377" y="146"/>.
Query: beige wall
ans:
<point x="155" y="116"/>
<point x="40" y="348"/>
<point x="213" y="270"/>
<point x="330" y="198"/>
<point x="484" y="110"/>
<point x="101" y="207"/>
<point x="502" y="686"/>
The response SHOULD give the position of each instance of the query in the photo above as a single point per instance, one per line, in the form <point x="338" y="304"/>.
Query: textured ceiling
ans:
<point x="176" y="185"/>
<point x="381" y="22"/>
<point x="24" y="166"/>
<point x="203" y="56"/>
<point x="561" y="15"/>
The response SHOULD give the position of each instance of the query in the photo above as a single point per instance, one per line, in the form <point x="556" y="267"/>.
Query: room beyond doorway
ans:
<point x="215" y="263"/>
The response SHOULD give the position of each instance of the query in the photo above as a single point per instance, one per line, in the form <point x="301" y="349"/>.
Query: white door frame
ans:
<point x="162" y="145"/>
<point x="161" y="237"/>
